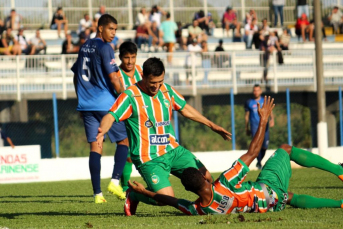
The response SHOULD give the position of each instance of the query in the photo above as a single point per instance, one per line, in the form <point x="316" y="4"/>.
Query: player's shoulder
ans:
<point x="249" y="102"/>
<point x="132" y="90"/>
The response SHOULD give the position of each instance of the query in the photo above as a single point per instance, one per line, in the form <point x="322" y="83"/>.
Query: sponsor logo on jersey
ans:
<point x="166" y="103"/>
<point x="148" y="124"/>
<point x="159" y="139"/>
<point x="155" y="179"/>
<point x="164" y="123"/>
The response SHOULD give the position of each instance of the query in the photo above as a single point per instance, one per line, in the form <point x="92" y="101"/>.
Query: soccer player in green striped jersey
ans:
<point x="146" y="108"/>
<point x="229" y="194"/>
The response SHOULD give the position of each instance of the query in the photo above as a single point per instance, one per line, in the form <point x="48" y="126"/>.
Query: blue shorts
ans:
<point x="265" y="143"/>
<point x="92" y="119"/>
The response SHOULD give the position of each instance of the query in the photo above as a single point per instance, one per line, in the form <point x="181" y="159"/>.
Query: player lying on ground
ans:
<point x="147" y="109"/>
<point x="228" y="194"/>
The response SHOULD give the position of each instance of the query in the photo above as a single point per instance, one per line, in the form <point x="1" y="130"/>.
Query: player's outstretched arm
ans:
<point x="105" y="125"/>
<point x="256" y="143"/>
<point x="115" y="81"/>
<point x="190" y="113"/>
<point x="163" y="199"/>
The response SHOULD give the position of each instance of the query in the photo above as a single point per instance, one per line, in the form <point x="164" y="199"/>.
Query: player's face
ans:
<point x="108" y="32"/>
<point x="153" y="83"/>
<point x="257" y="92"/>
<point x="128" y="61"/>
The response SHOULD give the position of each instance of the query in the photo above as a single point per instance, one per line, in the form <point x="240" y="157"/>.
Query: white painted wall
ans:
<point x="77" y="168"/>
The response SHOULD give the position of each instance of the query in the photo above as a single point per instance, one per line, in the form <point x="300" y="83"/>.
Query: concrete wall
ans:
<point x="62" y="169"/>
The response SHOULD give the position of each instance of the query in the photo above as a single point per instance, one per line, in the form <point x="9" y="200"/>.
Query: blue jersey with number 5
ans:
<point x="93" y="87"/>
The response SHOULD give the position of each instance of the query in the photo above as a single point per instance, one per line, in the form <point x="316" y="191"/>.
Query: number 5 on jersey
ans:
<point x="84" y="68"/>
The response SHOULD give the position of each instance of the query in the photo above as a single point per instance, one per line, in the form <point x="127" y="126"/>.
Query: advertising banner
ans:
<point x="21" y="164"/>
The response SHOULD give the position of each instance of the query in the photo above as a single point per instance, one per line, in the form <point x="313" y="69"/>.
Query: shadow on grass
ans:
<point x="45" y="196"/>
<point x="14" y="215"/>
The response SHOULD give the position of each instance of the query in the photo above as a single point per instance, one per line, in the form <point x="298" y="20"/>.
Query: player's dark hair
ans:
<point x="257" y="85"/>
<point x="106" y="19"/>
<point x="127" y="47"/>
<point x="192" y="179"/>
<point x="153" y="66"/>
<point x="168" y="15"/>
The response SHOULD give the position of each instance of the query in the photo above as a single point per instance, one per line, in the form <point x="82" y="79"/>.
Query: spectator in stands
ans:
<point x="229" y="21"/>
<point x="156" y="36"/>
<point x="168" y="29"/>
<point x="116" y="42"/>
<point x="312" y="27"/>
<point x="39" y="43"/>
<point x="94" y="25"/>
<point x="265" y="26"/>
<point x="142" y="36"/>
<point x="194" y="31"/>
<point x="68" y="47"/>
<point x="205" y="61"/>
<point x="85" y="23"/>
<point x="204" y="21"/>
<point x="26" y="47"/>
<point x="142" y="17"/>
<point x="263" y="31"/>
<point x="191" y="48"/>
<point x="303" y="28"/>
<point x="3" y="138"/>
<point x="182" y="41"/>
<point x="335" y="19"/>
<point x="8" y="45"/>
<point x="102" y="11"/>
<point x="278" y="10"/>
<point x="220" y="58"/>
<point x="285" y="39"/>
<point x="249" y="16"/>
<point x="2" y="26"/>
<point x="13" y="20"/>
<point x="59" y="21"/>
<point x="302" y="8"/>
<point x="87" y="33"/>
<point x="156" y="14"/>
<point x="249" y="31"/>
<point x="269" y="45"/>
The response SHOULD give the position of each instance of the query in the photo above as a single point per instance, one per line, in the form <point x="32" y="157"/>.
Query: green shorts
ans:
<point x="156" y="172"/>
<point x="276" y="174"/>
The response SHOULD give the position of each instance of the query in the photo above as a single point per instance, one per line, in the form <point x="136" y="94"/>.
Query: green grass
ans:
<point x="70" y="204"/>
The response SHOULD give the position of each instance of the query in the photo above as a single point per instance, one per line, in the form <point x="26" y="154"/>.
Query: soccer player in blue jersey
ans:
<point x="97" y="85"/>
<point x="252" y="118"/>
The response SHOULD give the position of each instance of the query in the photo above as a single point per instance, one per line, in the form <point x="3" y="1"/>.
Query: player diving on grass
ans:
<point x="229" y="194"/>
<point x="147" y="109"/>
<point x="96" y="81"/>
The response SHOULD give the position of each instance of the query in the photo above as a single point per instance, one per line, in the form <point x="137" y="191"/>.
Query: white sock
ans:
<point x="99" y="194"/>
<point x="115" y="181"/>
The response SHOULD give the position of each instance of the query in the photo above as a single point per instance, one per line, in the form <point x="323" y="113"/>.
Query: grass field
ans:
<point x="69" y="205"/>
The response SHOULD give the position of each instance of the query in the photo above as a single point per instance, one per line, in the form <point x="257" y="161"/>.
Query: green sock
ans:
<point x="125" y="177"/>
<point x="140" y="197"/>
<point x="305" y="201"/>
<point x="308" y="159"/>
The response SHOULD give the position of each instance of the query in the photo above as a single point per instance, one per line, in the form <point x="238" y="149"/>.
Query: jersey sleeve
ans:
<point x="122" y="108"/>
<point x="107" y="58"/>
<point x="186" y="207"/>
<point x="178" y="101"/>
<point x="246" y="105"/>
<point x="235" y="176"/>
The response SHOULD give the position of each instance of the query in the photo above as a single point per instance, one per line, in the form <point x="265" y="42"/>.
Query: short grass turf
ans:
<point x="70" y="204"/>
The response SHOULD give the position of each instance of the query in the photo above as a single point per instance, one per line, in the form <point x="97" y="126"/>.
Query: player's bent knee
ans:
<point x="286" y="147"/>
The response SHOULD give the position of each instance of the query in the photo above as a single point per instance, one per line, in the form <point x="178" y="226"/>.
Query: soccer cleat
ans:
<point x="116" y="190"/>
<point x="130" y="206"/>
<point x="341" y="176"/>
<point x="99" y="199"/>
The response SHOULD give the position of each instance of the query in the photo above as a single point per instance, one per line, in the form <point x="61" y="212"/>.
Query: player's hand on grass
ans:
<point x="265" y="111"/>
<point x="137" y="187"/>
<point x="100" y="137"/>
<point x="221" y="131"/>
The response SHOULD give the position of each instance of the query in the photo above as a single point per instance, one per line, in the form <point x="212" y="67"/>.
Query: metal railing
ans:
<point x="51" y="73"/>
<point x="39" y="12"/>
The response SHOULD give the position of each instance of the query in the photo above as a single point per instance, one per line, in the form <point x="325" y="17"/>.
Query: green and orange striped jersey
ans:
<point x="230" y="195"/>
<point x="126" y="80"/>
<point x="148" y="121"/>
